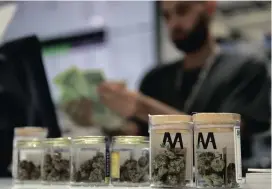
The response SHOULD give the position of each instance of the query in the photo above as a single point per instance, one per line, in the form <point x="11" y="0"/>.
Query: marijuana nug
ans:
<point x="27" y="170"/>
<point x="231" y="176"/>
<point x="135" y="171"/>
<point x="55" y="168"/>
<point x="168" y="168"/>
<point x="210" y="167"/>
<point x="92" y="170"/>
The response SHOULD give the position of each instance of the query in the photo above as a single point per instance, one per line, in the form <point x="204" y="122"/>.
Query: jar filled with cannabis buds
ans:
<point x="56" y="161"/>
<point x="27" y="168"/>
<point x="130" y="161"/>
<point x="90" y="161"/>
<point x="171" y="147"/>
<point x="217" y="150"/>
<point x="26" y="133"/>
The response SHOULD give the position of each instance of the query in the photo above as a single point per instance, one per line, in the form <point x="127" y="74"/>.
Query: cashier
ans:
<point x="207" y="79"/>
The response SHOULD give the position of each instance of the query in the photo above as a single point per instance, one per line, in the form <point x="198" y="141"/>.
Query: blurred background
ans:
<point x="113" y="40"/>
<point x="124" y="39"/>
<point x="235" y="23"/>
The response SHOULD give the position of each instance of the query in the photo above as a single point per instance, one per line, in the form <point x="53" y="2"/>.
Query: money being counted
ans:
<point x="79" y="98"/>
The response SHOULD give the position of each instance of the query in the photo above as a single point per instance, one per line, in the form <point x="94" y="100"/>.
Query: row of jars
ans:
<point x="207" y="141"/>
<point x="202" y="150"/>
<point x="83" y="161"/>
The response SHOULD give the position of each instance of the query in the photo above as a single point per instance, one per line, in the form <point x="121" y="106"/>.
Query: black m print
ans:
<point x="209" y="139"/>
<point x="167" y="139"/>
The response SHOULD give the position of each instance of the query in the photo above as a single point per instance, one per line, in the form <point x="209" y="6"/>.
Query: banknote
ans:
<point x="93" y="78"/>
<point x="73" y="81"/>
<point x="76" y="85"/>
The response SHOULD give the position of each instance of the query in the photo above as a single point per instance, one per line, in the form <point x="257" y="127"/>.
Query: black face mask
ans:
<point x="196" y="38"/>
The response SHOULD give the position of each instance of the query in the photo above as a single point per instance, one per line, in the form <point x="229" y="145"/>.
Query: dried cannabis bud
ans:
<point x="168" y="168"/>
<point x="55" y="168"/>
<point x="213" y="180"/>
<point x="135" y="171"/>
<point x="143" y="161"/>
<point x="172" y="180"/>
<point x="27" y="170"/>
<point x="211" y="168"/>
<point x="161" y="160"/>
<point x="231" y="176"/>
<point x="217" y="165"/>
<point x="92" y="170"/>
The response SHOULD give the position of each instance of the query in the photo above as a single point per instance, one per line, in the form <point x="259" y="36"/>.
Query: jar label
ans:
<point x="115" y="165"/>
<point x="107" y="159"/>
<point x="238" y="157"/>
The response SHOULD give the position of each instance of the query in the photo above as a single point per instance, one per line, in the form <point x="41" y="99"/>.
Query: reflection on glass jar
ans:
<point x="56" y="161"/>
<point x="217" y="150"/>
<point x="90" y="161"/>
<point x="28" y="161"/>
<point x="130" y="161"/>
<point x="171" y="148"/>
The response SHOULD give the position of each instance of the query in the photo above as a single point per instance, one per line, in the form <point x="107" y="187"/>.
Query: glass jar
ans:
<point x="90" y="161"/>
<point x="28" y="165"/>
<point x="217" y="150"/>
<point x="130" y="161"/>
<point x="56" y="161"/>
<point x="25" y="133"/>
<point x="171" y="148"/>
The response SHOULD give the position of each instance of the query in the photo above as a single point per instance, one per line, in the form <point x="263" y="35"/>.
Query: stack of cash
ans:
<point x="80" y="100"/>
<point x="258" y="178"/>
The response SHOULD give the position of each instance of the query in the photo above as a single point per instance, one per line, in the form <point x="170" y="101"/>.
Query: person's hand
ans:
<point x="130" y="128"/>
<point x="118" y="98"/>
<point x="130" y="103"/>
<point x="79" y="111"/>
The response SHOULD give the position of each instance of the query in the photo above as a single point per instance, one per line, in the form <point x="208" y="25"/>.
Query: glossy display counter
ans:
<point x="7" y="184"/>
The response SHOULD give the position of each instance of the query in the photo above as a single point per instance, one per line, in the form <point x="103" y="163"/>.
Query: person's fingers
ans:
<point x="121" y="103"/>
<point x="130" y="129"/>
<point x="105" y="90"/>
<point x="116" y="85"/>
<point x="116" y="93"/>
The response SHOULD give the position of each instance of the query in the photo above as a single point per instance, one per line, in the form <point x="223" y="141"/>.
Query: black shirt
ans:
<point x="237" y="83"/>
<point x="162" y="84"/>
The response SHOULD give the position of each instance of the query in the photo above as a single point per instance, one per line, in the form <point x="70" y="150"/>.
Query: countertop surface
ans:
<point x="7" y="184"/>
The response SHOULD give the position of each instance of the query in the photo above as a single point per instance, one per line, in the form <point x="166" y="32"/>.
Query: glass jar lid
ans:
<point x="88" y="140"/>
<point x="32" y="143"/>
<point x="169" y="121"/>
<point x="30" y="131"/>
<point x="130" y="139"/>
<point x="216" y="118"/>
<point x="65" y="141"/>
